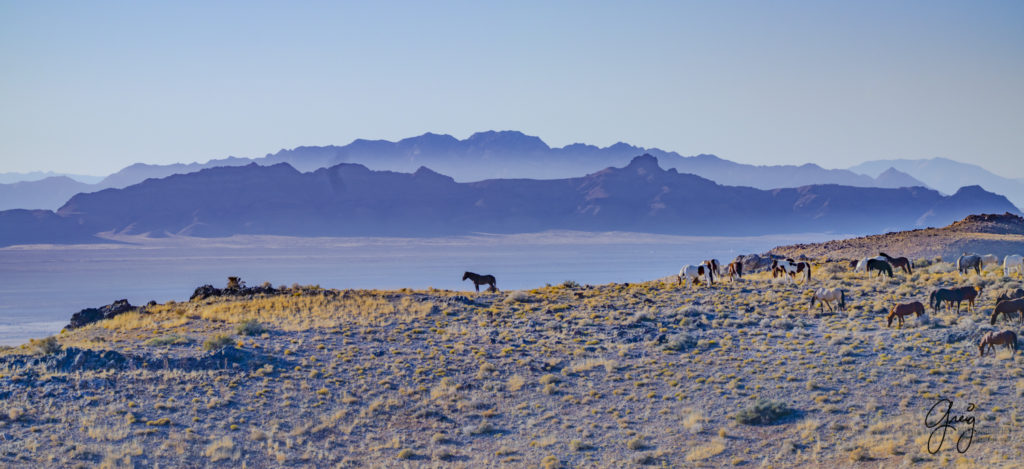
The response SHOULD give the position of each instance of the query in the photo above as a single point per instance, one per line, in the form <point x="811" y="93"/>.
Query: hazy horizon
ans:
<point x="96" y="177"/>
<point x="90" y="90"/>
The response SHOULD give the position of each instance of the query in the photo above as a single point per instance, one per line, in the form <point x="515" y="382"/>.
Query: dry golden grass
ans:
<point x="610" y="376"/>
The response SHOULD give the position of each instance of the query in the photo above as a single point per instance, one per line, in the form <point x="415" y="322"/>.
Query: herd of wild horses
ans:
<point x="1007" y="304"/>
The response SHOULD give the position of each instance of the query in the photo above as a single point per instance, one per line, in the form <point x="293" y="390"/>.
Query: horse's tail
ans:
<point x="842" y="298"/>
<point x="808" y="275"/>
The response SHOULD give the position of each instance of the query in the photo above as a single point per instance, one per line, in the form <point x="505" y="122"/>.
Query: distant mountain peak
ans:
<point x="510" y="140"/>
<point x="972" y="189"/>
<point x="645" y="163"/>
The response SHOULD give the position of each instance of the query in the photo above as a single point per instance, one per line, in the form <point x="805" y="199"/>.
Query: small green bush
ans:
<point x="165" y="340"/>
<point x="763" y="412"/>
<point x="680" y="343"/>
<point x="218" y="342"/>
<point x="250" y="327"/>
<point x="45" y="346"/>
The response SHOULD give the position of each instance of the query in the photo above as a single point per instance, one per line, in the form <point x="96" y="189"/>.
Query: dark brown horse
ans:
<point x="1009" y="306"/>
<point x="970" y="294"/>
<point x="1010" y="295"/>
<point x="1007" y="338"/>
<point x="481" y="280"/>
<point x="904" y="309"/>
<point x="898" y="262"/>
<point x="947" y="296"/>
<point x="735" y="270"/>
<point x="879" y="265"/>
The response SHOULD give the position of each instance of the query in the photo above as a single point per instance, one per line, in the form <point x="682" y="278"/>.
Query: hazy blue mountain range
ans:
<point x="352" y="200"/>
<point x="947" y="175"/>
<point x="484" y="155"/>
<point x="10" y="178"/>
<point x="44" y="193"/>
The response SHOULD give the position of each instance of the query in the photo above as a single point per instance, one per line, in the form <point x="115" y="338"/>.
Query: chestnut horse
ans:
<point x="1009" y="306"/>
<point x="714" y="267"/>
<point x="735" y="270"/>
<point x="898" y="262"/>
<point x="1007" y="338"/>
<point x="970" y="294"/>
<point x="904" y="309"/>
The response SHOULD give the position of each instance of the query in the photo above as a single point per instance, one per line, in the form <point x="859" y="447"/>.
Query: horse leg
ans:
<point x="477" y="286"/>
<point x="829" y="304"/>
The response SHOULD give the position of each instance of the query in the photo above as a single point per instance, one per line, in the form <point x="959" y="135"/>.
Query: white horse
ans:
<point x="1013" y="262"/>
<point x="826" y="296"/>
<point x="692" y="273"/>
<point x="989" y="260"/>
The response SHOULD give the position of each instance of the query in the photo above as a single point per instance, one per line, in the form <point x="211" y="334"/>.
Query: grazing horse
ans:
<point x="1011" y="295"/>
<point x="862" y="265"/>
<point x="715" y="268"/>
<point x="1009" y="306"/>
<point x="946" y="295"/>
<point x="989" y="260"/>
<point x="481" y="280"/>
<point x="735" y="270"/>
<point x="970" y="294"/>
<point x="904" y="309"/>
<point x="791" y="268"/>
<point x="826" y="297"/>
<point x="1013" y="262"/>
<point x="898" y="262"/>
<point x="879" y="265"/>
<point x="967" y="262"/>
<point x="1007" y="338"/>
<point x="693" y="273"/>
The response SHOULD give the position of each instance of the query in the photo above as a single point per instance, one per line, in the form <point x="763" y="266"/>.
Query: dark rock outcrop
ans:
<point x="209" y="291"/>
<point x="75" y="359"/>
<point x="91" y="315"/>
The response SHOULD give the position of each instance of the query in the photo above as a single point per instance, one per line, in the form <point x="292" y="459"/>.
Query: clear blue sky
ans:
<point x="90" y="87"/>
